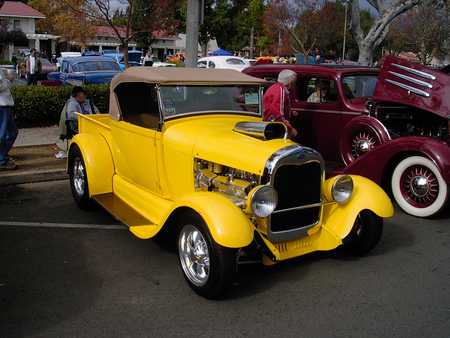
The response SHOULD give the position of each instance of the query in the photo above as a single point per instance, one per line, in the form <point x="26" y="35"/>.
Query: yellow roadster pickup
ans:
<point x="184" y="154"/>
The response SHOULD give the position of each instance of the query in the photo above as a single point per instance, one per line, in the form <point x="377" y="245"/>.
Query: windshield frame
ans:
<point x="168" y="109"/>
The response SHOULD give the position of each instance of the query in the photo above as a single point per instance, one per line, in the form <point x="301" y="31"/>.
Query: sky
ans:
<point x="115" y="4"/>
<point x="362" y="3"/>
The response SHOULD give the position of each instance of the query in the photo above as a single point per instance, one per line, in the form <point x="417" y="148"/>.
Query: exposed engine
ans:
<point x="404" y="121"/>
<point x="234" y="183"/>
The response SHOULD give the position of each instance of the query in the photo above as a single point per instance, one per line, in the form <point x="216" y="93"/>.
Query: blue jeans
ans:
<point x="8" y="133"/>
<point x="32" y="79"/>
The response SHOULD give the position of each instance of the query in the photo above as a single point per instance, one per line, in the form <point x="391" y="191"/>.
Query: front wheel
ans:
<point x="78" y="179"/>
<point x="357" y="140"/>
<point x="208" y="267"/>
<point x="365" y="234"/>
<point x="418" y="187"/>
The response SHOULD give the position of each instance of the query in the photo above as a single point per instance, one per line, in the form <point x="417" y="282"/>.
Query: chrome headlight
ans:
<point x="264" y="200"/>
<point x="342" y="189"/>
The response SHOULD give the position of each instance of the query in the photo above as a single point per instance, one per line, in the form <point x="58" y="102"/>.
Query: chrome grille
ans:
<point x="297" y="178"/>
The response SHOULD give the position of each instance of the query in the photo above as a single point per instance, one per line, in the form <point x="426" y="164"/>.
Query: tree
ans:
<point x="394" y="43"/>
<point x="352" y="49"/>
<point x="224" y="21"/>
<point x="331" y="20"/>
<point x="11" y="36"/>
<point x="367" y="42"/>
<point x="305" y="26"/>
<point x="64" y="19"/>
<point x="254" y="20"/>
<point x="425" y="30"/>
<point x="142" y="17"/>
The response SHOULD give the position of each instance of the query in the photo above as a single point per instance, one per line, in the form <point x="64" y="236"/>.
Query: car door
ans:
<point x="319" y="118"/>
<point x="136" y="136"/>
<point x="65" y="70"/>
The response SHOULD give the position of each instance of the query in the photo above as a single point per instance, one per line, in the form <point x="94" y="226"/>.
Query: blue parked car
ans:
<point x="85" y="70"/>
<point x="134" y="58"/>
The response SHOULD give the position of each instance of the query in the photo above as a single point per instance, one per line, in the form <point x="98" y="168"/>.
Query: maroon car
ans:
<point x="392" y="127"/>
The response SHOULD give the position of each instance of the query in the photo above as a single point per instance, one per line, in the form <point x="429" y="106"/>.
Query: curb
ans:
<point x="33" y="176"/>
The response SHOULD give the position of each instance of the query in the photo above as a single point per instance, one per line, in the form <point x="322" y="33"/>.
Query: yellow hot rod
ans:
<point x="184" y="154"/>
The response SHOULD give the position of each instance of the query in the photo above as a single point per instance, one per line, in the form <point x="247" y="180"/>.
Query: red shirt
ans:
<point x="277" y="106"/>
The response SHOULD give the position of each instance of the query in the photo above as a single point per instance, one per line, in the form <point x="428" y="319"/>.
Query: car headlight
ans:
<point x="342" y="189"/>
<point x="264" y="200"/>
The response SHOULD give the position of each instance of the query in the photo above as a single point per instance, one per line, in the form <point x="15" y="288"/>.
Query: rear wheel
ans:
<point x="418" y="187"/>
<point x="365" y="235"/>
<point x="78" y="179"/>
<point x="208" y="267"/>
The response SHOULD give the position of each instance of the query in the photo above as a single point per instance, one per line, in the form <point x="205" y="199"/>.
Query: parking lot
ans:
<point x="67" y="272"/>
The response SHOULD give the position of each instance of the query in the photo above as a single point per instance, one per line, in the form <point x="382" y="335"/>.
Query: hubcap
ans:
<point x="362" y="143"/>
<point x="420" y="186"/>
<point x="79" y="178"/>
<point x="194" y="255"/>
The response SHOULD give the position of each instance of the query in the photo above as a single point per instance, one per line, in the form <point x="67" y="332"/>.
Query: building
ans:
<point x="17" y="14"/>
<point x="107" y="39"/>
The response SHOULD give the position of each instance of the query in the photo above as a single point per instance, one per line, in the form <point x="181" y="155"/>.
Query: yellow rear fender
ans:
<point x="97" y="160"/>
<point x="366" y="195"/>
<point x="228" y="225"/>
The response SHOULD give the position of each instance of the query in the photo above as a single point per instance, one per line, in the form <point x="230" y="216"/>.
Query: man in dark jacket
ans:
<point x="33" y="67"/>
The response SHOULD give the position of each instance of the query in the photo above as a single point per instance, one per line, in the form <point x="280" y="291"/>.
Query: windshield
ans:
<point x="95" y="65"/>
<point x="181" y="100"/>
<point x="235" y="62"/>
<point x="359" y="85"/>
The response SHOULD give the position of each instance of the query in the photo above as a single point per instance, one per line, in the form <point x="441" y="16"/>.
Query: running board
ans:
<point x="138" y="224"/>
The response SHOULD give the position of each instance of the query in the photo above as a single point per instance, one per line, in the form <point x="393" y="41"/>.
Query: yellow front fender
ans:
<point x="366" y="195"/>
<point x="228" y="225"/>
<point x="98" y="161"/>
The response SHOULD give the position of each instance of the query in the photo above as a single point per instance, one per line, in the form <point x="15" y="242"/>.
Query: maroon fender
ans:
<point x="374" y="162"/>
<point x="360" y="136"/>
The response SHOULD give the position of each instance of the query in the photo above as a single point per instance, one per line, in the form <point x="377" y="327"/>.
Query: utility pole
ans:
<point x="345" y="30"/>
<point x="252" y="37"/>
<point x="194" y="17"/>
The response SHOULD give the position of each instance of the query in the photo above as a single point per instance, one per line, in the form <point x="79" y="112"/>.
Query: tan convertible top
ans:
<point x="180" y="75"/>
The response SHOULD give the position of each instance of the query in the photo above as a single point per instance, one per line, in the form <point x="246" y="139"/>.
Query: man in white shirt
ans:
<point x="148" y="59"/>
<point x="33" y="67"/>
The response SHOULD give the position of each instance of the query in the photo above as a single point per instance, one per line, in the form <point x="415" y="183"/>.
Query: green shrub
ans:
<point x="39" y="106"/>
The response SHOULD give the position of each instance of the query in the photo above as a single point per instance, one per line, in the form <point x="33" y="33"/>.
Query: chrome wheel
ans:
<point x="79" y="177"/>
<point x="362" y="143"/>
<point x="360" y="138"/>
<point x="194" y="255"/>
<point x="208" y="267"/>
